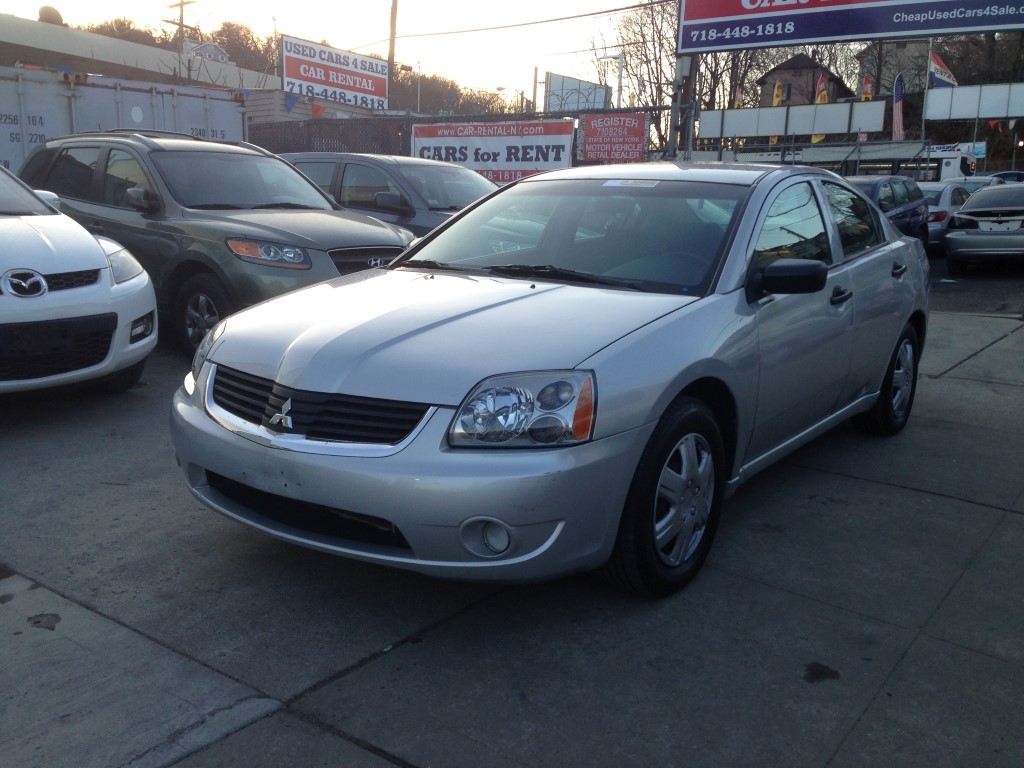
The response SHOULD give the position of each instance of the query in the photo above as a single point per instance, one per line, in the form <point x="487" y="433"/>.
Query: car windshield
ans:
<point x="236" y="180"/>
<point x="447" y="187"/>
<point x="654" y="235"/>
<point x="15" y="200"/>
<point x="1008" y="196"/>
<point x="932" y="195"/>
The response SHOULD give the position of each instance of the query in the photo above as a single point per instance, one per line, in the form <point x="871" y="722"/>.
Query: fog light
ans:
<point x="141" y="328"/>
<point x="496" y="537"/>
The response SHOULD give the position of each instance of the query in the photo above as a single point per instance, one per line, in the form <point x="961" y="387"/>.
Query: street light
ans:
<point x="622" y="60"/>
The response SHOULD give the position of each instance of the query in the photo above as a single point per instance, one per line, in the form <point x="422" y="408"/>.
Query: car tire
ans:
<point x="955" y="267"/>
<point x="672" y="509"/>
<point x="896" y="397"/>
<point x="201" y="303"/>
<point x="120" y="381"/>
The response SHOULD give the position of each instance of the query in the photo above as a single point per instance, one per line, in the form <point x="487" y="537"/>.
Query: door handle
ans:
<point x="840" y="296"/>
<point x="898" y="270"/>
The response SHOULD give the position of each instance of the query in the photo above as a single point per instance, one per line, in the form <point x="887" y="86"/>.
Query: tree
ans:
<point x="125" y="29"/>
<point x="244" y="48"/>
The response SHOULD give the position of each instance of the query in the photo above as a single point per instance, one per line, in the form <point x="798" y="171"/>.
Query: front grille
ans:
<point x="315" y="415"/>
<point x="52" y="347"/>
<point x="349" y="260"/>
<point x="284" y="513"/>
<point x="66" y="280"/>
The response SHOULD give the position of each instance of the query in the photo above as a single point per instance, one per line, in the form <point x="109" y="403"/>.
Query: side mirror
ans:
<point x="788" y="276"/>
<point x="142" y="199"/>
<point x="392" y="202"/>
<point x="48" y="197"/>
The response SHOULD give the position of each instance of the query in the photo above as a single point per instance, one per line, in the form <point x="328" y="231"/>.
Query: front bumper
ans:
<point x="426" y="507"/>
<point x="129" y="301"/>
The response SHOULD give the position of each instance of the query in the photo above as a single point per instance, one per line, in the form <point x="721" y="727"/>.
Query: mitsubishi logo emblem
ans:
<point x="26" y="283"/>
<point x="282" y="420"/>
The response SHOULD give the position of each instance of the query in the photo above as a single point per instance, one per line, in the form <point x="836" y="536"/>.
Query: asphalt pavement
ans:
<point x="863" y="605"/>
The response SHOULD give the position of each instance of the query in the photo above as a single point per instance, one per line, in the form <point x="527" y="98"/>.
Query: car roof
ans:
<point x="384" y="159"/>
<point x="159" y="140"/>
<point x="723" y="173"/>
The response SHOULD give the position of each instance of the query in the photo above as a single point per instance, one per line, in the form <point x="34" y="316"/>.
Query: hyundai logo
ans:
<point x="376" y="261"/>
<point x="26" y="283"/>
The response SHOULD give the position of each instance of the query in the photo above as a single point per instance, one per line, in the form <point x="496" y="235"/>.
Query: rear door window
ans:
<point x="320" y="171"/>
<point x="73" y="174"/>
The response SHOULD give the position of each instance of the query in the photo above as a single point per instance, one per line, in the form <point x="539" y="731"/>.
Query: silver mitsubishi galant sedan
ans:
<point x="571" y="374"/>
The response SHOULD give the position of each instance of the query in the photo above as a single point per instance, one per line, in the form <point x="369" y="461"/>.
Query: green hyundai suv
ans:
<point x="217" y="226"/>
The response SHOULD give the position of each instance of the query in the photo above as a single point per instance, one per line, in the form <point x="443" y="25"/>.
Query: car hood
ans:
<point x="48" y="244"/>
<point x="321" y="230"/>
<point x="428" y="337"/>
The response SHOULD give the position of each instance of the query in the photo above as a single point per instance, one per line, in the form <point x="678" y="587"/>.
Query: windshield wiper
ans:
<point x="427" y="264"/>
<point x="302" y="206"/>
<point x="216" y="206"/>
<point x="556" y="273"/>
<point x="446" y="207"/>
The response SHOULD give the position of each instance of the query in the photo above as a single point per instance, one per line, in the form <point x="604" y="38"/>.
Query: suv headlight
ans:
<point x="123" y="266"/>
<point x="270" y="254"/>
<point x="527" y="410"/>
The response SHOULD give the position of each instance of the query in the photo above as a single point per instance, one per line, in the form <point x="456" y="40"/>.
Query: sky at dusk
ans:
<point x="486" y="60"/>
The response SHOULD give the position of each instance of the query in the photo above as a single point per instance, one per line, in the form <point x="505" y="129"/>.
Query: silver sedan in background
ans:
<point x="571" y="374"/>
<point x="943" y="200"/>
<point x="989" y="226"/>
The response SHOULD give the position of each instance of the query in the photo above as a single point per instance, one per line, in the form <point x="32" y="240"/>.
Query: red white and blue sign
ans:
<point x="720" y="25"/>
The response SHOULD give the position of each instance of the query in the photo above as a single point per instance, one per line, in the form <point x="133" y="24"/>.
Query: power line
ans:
<point x="592" y="14"/>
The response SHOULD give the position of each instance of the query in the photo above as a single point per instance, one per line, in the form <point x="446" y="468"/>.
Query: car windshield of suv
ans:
<point x="447" y="188"/>
<point x="15" y="200"/>
<point x="653" y="235"/>
<point x="235" y="180"/>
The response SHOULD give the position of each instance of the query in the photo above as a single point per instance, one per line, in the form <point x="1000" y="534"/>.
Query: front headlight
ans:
<point x="527" y="410"/>
<point x="123" y="266"/>
<point x="203" y="350"/>
<point x="270" y="254"/>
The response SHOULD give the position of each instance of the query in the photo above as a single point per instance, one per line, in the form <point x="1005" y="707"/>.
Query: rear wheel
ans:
<point x="672" y="509"/>
<point x="201" y="303"/>
<point x="892" y="409"/>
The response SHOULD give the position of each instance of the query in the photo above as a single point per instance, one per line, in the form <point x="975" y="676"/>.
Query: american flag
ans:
<point x="897" y="108"/>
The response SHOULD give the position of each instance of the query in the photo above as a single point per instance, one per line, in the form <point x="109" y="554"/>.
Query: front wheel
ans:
<point x="895" y="399"/>
<point x="672" y="510"/>
<point x="201" y="303"/>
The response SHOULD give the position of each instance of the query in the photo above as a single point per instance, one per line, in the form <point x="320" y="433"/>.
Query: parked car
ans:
<point x="1009" y="176"/>
<point x="572" y="373"/>
<point x="74" y="308"/>
<point x="944" y="199"/>
<point x="974" y="183"/>
<point x="217" y="226"/>
<point x="989" y="226"/>
<point x="412" y="192"/>
<point x="900" y="199"/>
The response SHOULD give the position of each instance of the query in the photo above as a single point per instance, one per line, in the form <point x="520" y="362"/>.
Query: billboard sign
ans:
<point x="719" y="25"/>
<point x="320" y="72"/>
<point x="568" y="94"/>
<point x="614" y="138"/>
<point x="503" y="152"/>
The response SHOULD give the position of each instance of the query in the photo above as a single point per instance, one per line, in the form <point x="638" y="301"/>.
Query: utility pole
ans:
<point x="391" y="51"/>
<point x="180" y="24"/>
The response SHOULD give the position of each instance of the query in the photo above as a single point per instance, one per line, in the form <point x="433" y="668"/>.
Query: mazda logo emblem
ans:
<point x="26" y="283"/>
